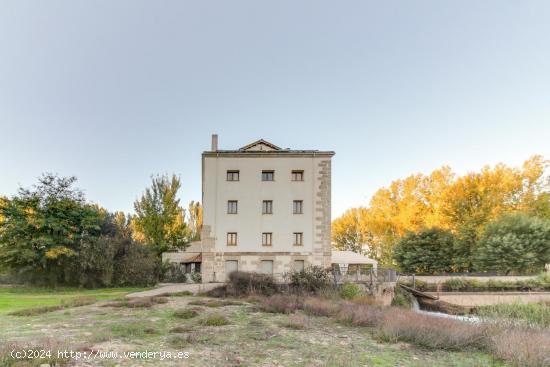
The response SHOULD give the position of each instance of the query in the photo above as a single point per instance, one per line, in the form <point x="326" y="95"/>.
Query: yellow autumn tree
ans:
<point x="463" y="205"/>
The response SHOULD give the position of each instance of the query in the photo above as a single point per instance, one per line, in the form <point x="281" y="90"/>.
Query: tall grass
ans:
<point x="518" y="345"/>
<point x="534" y="314"/>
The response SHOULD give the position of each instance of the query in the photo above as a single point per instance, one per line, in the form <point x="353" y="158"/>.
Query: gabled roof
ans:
<point x="259" y="145"/>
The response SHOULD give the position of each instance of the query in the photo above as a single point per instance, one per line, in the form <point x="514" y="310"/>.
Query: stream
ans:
<point x="468" y="318"/>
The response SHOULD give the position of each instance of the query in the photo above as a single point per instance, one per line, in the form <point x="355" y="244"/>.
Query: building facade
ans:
<point x="265" y="209"/>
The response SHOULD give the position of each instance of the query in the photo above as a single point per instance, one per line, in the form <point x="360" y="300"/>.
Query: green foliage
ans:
<point x="310" y="279"/>
<point x="50" y="236"/>
<point x="215" y="320"/>
<point x="427" y="252"/>
<point x="349" y="290"/>
<point x="530" y="313"/>
<point x="160" y="220"/>
<point x="514" y="243"/>
<point x="402" y="298"/>
<point x="185" y="313"/>
<point x="43" y="229"/>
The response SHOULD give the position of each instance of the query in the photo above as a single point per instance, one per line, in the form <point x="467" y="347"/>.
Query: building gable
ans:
<point x="259" y="145"/>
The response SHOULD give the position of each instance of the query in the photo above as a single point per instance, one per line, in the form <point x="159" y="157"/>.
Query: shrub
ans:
<point x="349" y="290"/>
<point x="218" y="292"/>
<point x="311" y="279"/>
<point x="280" y="303"/>
<point x="531" y="313"/>
<point x="320" y="307"/>
<point x="215" y="320"/>
<point x="522" y="347"/>
<point x="402" y="298"/>
<point x="185" y="313"/>
<point x="359" y="314"/>
<point x="138" y="267"/>
<point x="429" y="251"/>
<point x="431" y="332"/>
<point x="454" y="284"/>
<point x="174" y="273"/>
<point x="196" y="277"/>
<point x="297" y="322"/>
<point x="244" y="283"/>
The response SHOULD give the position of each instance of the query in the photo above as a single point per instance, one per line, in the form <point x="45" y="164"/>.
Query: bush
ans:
<point x="402" y="298"/>
<point x="280" y="303"/>
<point x="522" y="347"/>
<point x="173" y="273"/>
<point x="534" y="314"/>
<point x="196" y="277"/>
<point x="297" y="322"/>
<point x="431" y="332"/>
<point x="320" y="307"/>
<point x="430" y="251"/>
<point x="349" y="290"/>
<point x="311" y="279"/>
<point x="509" y="244"/>
<point x="185" y="313"/>
<point x="244" y="283"/>
<point x="138" y="267"/>
<point x="359" y="314"/>
<point x="215" y="320"/>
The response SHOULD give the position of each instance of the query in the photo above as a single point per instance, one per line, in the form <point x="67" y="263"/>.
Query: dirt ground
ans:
<point x="249" y="338"/>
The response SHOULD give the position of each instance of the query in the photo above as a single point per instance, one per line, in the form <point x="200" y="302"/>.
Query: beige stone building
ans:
<point x="265" y="209"/>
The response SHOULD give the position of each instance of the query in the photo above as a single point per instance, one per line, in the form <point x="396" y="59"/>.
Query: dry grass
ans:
<point x="181" y="329"/>
<point x="76" y="302"/>
<point x="297" y="322"/>
<point x="359" y="314"/>
<point x="141" y="302"/>
<point x="281" y="303"/>
<point x="522" y="347"/>
<point x="432" y="332"/>
<point x="187" y="313"/>
<point x="215" y="303"/>
<point x="320" y="307"/>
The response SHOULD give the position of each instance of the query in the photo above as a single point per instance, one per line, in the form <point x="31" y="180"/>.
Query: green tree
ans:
<point x="429" y="251"/>
<point x="514" y="243"/>
<point x="43" y="228"/>
<point x="160" y="220"/>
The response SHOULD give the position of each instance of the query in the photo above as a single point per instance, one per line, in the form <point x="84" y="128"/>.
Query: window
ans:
<point x="268" y="175"/>
<point x="297" y="207"/>
<point x="266" y="267"/>
<point x="232" y="175"/>
<point x="298" y="265"/>
<point x="267" y="207"/>
<point x="297" y="175"/>
<point x="267" y="238"/>
<point x="298" y="239"/>
<point x="232" y="207"/>
<point x="232" y="239"/>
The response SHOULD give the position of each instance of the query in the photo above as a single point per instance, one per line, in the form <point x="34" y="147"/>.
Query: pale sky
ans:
<point x="114" y="91"/>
